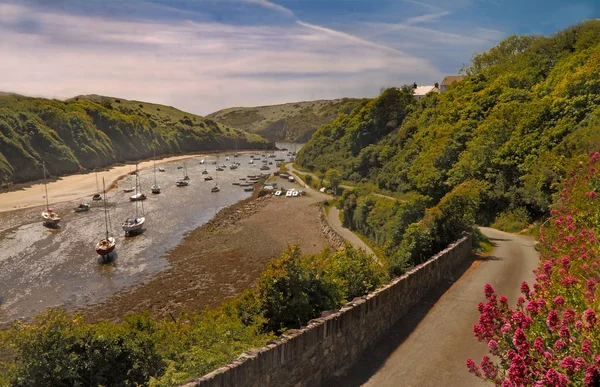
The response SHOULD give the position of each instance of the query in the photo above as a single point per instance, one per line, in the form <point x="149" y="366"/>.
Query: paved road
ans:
<point x="429" y="347"/>
<point x="333" y="216"/>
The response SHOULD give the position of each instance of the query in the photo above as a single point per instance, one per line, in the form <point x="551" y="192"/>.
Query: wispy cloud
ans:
<point x="199" y="66"/>
<point x="270" y="5"/>
<point x="348" y="37"/>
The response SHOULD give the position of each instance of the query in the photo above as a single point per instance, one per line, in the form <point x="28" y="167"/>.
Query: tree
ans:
<point x="334" y="177"/>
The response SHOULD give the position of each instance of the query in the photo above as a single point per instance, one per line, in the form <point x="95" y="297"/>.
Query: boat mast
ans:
<point x="97" y="186"/>
<point x="155" y="185"/>
<point x="45" y="185"/>
<point x="136" y="191"/>
<point x="105" y="210"/>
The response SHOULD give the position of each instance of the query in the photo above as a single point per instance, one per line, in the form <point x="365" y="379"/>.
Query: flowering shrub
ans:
<point x="552" y="337"/>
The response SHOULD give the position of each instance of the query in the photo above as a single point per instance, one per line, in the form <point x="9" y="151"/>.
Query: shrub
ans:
<point x="512" y="220"/>
<point x="552" y="338"/>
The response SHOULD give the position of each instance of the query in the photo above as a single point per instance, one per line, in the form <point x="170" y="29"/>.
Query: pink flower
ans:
<point x="504" y="301"/>
<point x="590" y="317"/>
<point x="520" y="301"/>
<point x="552" y="320"/>
<point x="565" y="333"/>
<point x="592" y="376"/>
<point x="473" y="367"/>
<point x="568" y="364"/>
<point x="538" y="344"/>
<point x="506" y="328"/>
<point x="586" y="347"/>
<point x="580" y="364"/>
<point x="507" y="383"/>
<point x="525" y="289"/>
<point x="488" y="368"/>
<point x="558" y="345"/>
<point x="558" y="300"/>
<point x="488" y="290"/>
<point x="520" y="341"/>
<point x="493" y="346"/>
<point x="568" y="316"/>
<point x="517" y="370"/>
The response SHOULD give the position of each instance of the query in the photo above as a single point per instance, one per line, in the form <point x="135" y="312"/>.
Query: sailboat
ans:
<point x="138" y="193"/>
<point x="107" y="244"/>
<point x="185" y="175"/>
<point x="97" y="196"/>
<point x="216" y="187"/>
<point x="155" y="188"/>
<point x="50" y="217"/>
<point x="129" y="189"/>
<point x="133" y="225"/>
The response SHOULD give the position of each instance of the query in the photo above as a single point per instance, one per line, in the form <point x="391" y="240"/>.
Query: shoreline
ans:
<point x="220" y="259"/>
<point x="80" y="185"/>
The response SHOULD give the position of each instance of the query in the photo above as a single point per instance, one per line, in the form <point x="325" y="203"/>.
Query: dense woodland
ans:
<point x="89" y="132"/>
<point x="528" y="109"/>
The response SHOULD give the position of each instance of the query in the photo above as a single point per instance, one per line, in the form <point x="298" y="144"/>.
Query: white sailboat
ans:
<point x="50" y="217"/>
<point x="107" y="244"/>
<point x="155" y="188"/>
<point x="185" y="174"/>
<point x="97" y="196"/>
<point x="138" y="192"/>
<point x="134" y="225"/>
<point x="129" y="189"/>
<point x="216" y="187"/>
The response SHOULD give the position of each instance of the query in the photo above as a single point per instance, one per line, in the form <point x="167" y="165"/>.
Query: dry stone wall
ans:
<point x="335" y="240"/>
<point x="331" y="344"/>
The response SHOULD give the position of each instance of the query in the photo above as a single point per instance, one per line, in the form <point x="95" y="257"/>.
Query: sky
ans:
<point x="204" y="55"/>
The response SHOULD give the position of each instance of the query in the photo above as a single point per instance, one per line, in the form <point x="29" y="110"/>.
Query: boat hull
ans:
<point x="138" y="197"/>
<point x="155" y="190"/>
<point x="106" y="246"/>
<point x="133" y="225"/>
<point x="50" y="218"/>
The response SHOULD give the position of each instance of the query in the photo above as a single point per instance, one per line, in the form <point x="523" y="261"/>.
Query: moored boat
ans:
<point x="82" y="207"/>
<point x="107" y="244"/>
<point x="182" y="183"/>
<point x="49" y="217"/>
<point x="138" y="196"/>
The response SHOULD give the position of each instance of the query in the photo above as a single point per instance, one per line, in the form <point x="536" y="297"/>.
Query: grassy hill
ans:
<point x="294" y="122"/>
<point x="93" y="131"/>
<point x="527" y="111"/>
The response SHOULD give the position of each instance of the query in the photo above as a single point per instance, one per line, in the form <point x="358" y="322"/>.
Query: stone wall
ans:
<point x="330" y="345"/>
<point x="335" y="240"/>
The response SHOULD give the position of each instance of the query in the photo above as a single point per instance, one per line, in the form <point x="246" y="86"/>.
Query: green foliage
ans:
<point x="334" y="177"/>
<point x="294" y="122"/>
<point x="93" y="131"/>
<point x="513" y="220"/>
<point x="526" y="112"/>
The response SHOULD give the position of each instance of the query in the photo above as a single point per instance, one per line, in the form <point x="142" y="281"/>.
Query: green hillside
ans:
<point x="294" y="122"/>
<point x="528" y="109"/>
<point x="92" y="131"/>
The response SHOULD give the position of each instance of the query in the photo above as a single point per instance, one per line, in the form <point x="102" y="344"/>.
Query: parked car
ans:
<point x="278" y="193"/>
<point x="294" y="193"/>
<point x="291" y="179"/>
<point x="288" y="194"/>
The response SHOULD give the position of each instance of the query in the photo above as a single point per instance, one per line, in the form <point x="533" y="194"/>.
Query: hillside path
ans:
<point x="430" y="345"/>
<point x="333" y="216"/>
<point x="290" y="167"/>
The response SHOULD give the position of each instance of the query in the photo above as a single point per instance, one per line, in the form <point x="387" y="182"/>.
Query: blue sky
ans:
<point x="204" y="55"/>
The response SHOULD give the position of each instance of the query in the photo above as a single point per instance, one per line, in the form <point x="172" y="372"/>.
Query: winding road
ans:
<point x="429" y="347"/>
<point x="333" y="216"/>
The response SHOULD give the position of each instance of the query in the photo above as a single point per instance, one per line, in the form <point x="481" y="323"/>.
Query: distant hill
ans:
<point x="294" y="122"/>
<point x="92" y="131"/>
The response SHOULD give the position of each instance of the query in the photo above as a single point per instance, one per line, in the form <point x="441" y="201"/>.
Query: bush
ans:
<point x="552" y="338"/>
<point x="512" y="220"/>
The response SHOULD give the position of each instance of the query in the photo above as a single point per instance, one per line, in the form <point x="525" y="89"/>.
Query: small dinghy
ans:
<point x="130" y="189"/>
<point x="138" y="196"/>
<point x="182" y="183"/>
<point x="205" y="172"/>
<point x="220" y="169"/>
<point x="215" y="189"/>
<point x="133" y="225"/>
<point x="106" y="246"/>
<point x="82" y="207"/>
<point x="249" y="189"/>
<point x="207" y="178"/>
<point x="97" y="197"/>
<point x="161" y="169"/>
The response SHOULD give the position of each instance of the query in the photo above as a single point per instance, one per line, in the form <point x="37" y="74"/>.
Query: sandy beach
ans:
<point x="73" y="187"/>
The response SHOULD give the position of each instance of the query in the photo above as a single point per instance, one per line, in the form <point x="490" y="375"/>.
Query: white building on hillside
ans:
<point x="421" y="91"/>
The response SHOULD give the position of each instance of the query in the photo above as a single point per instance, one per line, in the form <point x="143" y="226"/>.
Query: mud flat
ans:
<point x="222" y="258"/>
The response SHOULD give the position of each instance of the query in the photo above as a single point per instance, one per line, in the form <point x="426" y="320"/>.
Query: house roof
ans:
<point x="422" y="90"/>
<point x="450" y="79"/>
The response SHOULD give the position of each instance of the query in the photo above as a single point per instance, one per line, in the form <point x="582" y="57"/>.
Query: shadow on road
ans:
<point x="374" y="358"/>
